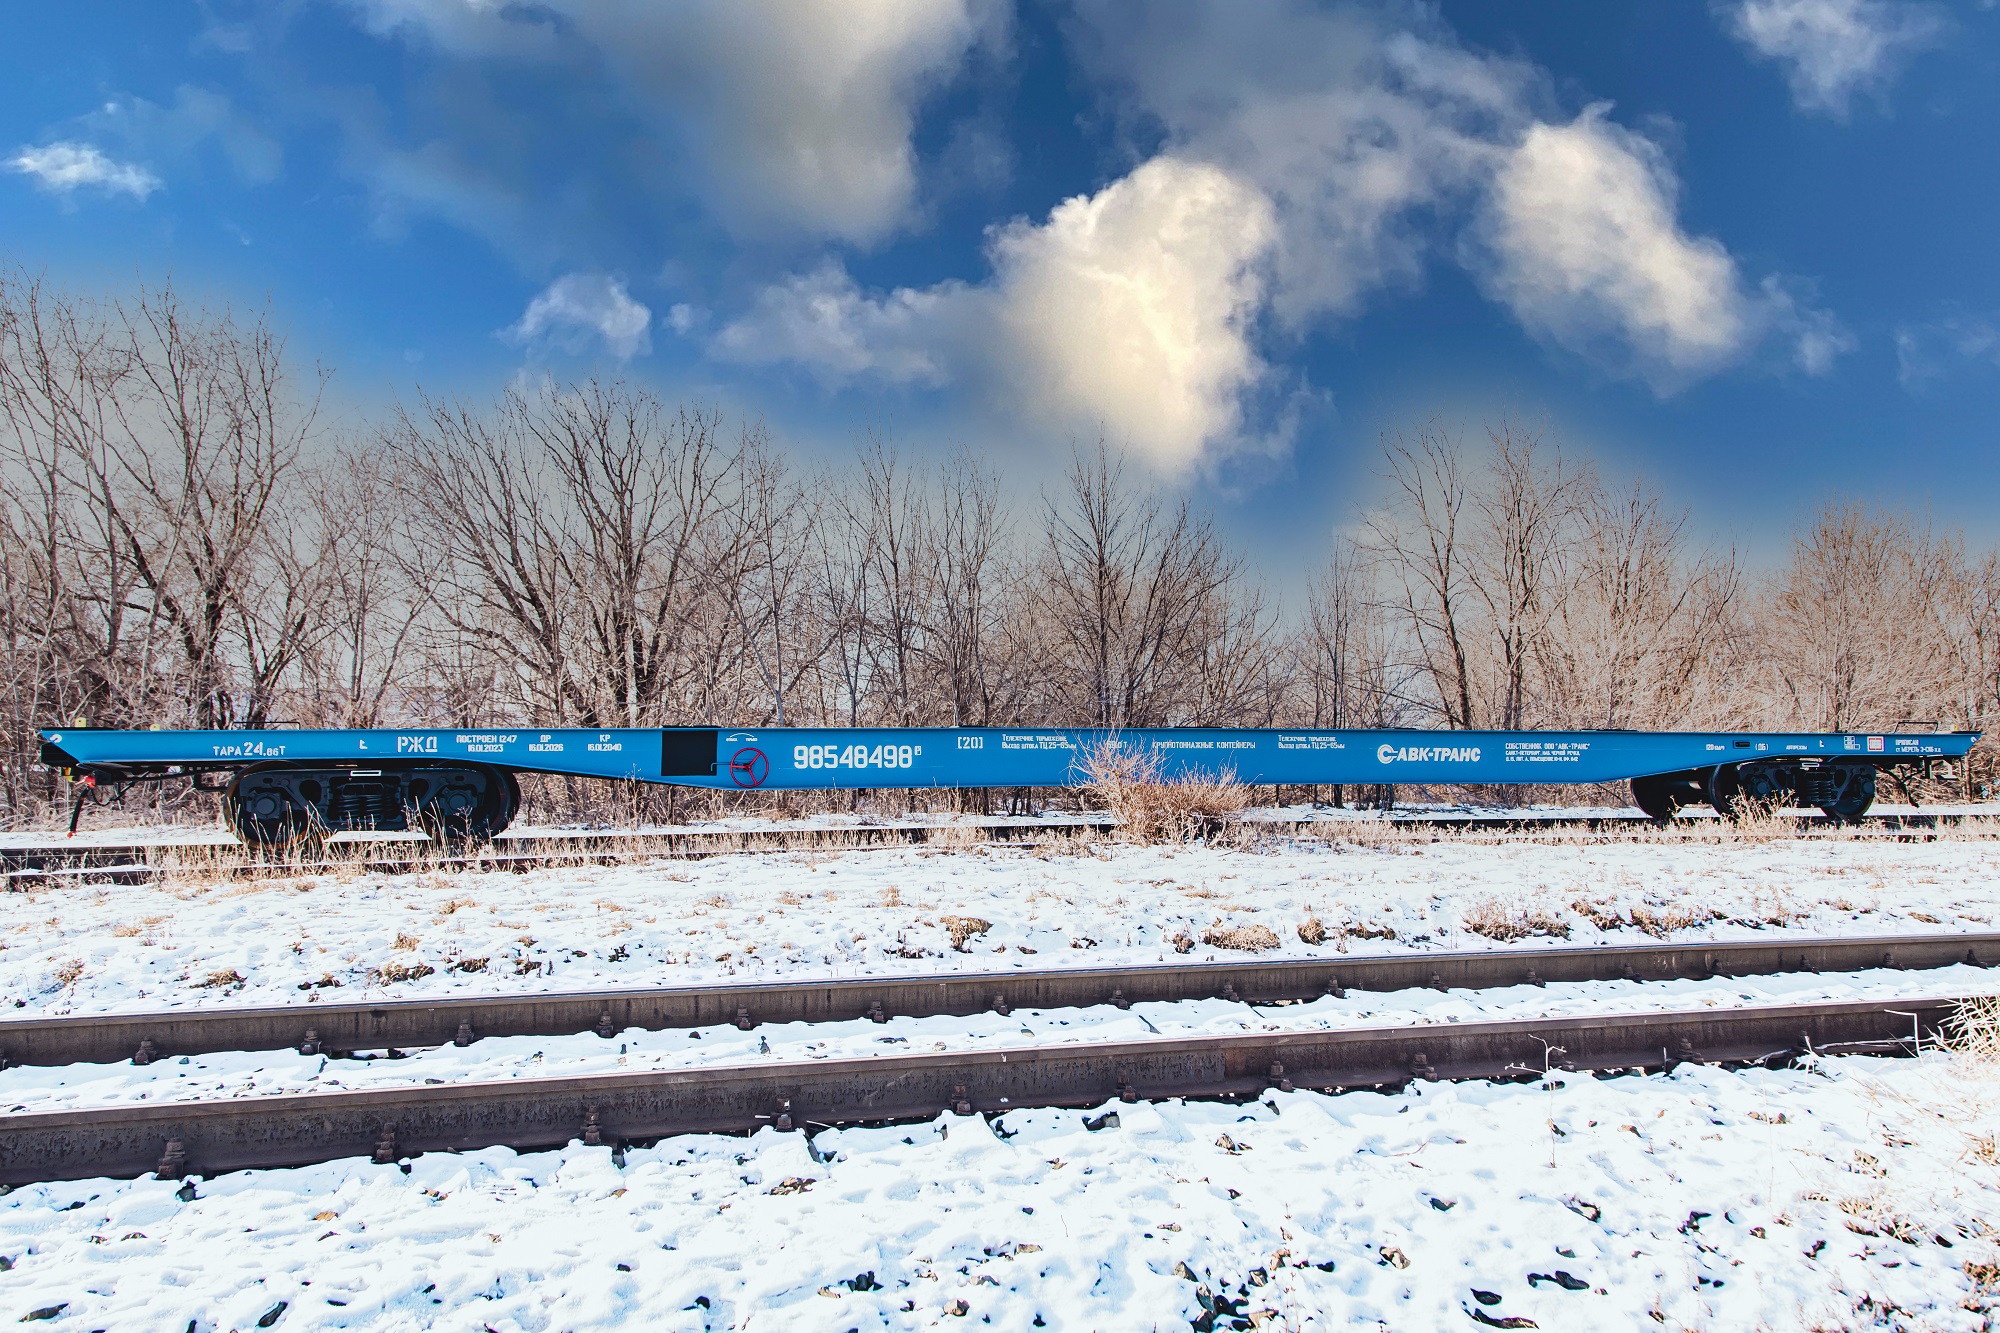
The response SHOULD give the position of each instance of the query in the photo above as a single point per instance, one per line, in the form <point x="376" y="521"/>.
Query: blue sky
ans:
<point x="1746" y="248"/>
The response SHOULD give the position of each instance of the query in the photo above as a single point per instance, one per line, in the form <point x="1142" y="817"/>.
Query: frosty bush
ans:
<point x="1151" y="807"/>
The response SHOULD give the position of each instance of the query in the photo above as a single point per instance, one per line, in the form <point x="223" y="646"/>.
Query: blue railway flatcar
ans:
<point x="280" y="787"/>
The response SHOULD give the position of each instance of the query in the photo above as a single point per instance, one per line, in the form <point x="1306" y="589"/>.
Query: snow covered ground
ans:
<point x="1855" y="1194"/>
<point x="355" y="935"/>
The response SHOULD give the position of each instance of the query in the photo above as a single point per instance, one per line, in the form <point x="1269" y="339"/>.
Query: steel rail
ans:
<point x="401" y="1024"/>
<point x="176" y="1139"/>
<point x="24" y="864"/>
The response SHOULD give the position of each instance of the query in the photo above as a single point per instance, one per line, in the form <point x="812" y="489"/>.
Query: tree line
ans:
<point x="184" y="544"/>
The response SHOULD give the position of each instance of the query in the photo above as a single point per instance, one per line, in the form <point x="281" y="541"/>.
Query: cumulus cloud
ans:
<point x="1360" y="131"/>
<point x="583" y="310"/>
<point x="1833" y="49"/>
<point x="1132" y="307"/>
<point x="1582" y="228"/>
<point x="64" y="168"/>
<point x="1314" y="158"/>
<point x="823" y="321"/>
<point x="800" y="114"/>
<point x="1128" y="311"/>
<point x="1384" y="142"/>
<point x="1580" y="238"/>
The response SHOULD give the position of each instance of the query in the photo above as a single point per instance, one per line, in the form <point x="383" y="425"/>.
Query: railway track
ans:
<point x="399" y="1024"/>
<point x="139" y="861"/>
<point x="48" y="862"/>
<point x="178" y="1139"/>
<point x="261" y="1131"/>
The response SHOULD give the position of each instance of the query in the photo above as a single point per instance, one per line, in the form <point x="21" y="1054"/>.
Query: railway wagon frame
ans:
<point x="283" y="787"/>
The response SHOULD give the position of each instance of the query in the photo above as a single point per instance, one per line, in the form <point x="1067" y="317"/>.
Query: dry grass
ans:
<point x="1249" y="939"/>
<point x="964" y="929"/>
<point x="1973" y="1032"/>
<point x="1153" y="808"/>
<point x="1499" y="919"/>
<point x="1667" y="920"/>
<point x="957" y="837"/>
<point x="1658" y="920"/>
<point x="1872" y="1215"/>
<point x="394" y="972"/>
<point x="1773" y="907"/>
<point x="227" y="977"/>
<point x="1312" y="930"/>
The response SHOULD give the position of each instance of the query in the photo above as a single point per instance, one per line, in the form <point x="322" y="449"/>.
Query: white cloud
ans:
<point x="1833" y="49"/>
<point x="1127" y="311"/>
<point x="800" y="113"/>
<point x="1131" y="308"/>
<point x="196" y="117"/>
<point x="1359" y="131"/>
<point x="1818" y="338"/>
<point x="1929" y="352"/>
<point x="64" y="168"/>
<point x="1583" y="232"/>
<point x="1383" y="142"/>
<point x="1377" y="137"/>
<point x="1314" y="158"/>
<point x="1580" y="238"/>
<point x="823" y="321"/>
<point x="575" y="311"/>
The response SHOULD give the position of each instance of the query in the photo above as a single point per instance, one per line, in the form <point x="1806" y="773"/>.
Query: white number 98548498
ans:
<point x="854" y="756"/>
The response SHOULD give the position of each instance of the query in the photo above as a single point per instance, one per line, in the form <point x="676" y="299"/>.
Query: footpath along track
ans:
<point x="174" y="1139"/>
<point x="336" y="1029"/>
<point x="28" y="864"/>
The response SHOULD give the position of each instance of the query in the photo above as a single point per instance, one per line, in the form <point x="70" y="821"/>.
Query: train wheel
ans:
<point x="513" y="800"/>
<point x="1854" y="792"/>
<point x="1740" y="790"/>
<point x="1725" y="793"/>
<point x="464" y="808"/>
<point x="1658" y="798"/>
<point x="270" y="810"/>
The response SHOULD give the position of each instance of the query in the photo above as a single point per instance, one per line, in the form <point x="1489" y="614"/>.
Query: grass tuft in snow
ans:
<point x="1249" y="939"/>
<point x="1974" y="1032"/>
<point x="1500" y="919"/>
<point x="1153" y="808"/>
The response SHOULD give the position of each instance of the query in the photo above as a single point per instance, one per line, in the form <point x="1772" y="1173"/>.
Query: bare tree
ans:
<point x="1648" y="635"/>
<point x="1419" y="543"/>
<point x="571" y="535"/>
<point x="1529" y="511"/>
<point x="971" y="580"/>
<point x="370" y="609"/>
<point x="1128" y="589"/>
<point x="1341" y="651"/>
<point x="1851" y="629"/>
